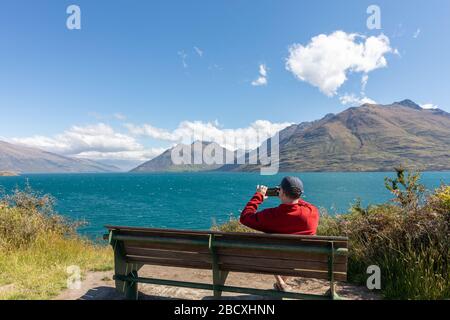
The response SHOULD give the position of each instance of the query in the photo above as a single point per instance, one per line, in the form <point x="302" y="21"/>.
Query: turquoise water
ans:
<point x="193" y="200"/>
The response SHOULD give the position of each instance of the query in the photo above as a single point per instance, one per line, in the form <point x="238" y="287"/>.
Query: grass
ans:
<point x="407" y="237"/>
<point x="416" y="273"/>
<point x="37" y="245"/>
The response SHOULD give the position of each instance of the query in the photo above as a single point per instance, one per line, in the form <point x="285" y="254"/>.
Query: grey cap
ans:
<point x="292" y="185"/>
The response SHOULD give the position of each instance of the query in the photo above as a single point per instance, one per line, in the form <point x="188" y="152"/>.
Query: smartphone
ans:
<point x="273" y="192"/>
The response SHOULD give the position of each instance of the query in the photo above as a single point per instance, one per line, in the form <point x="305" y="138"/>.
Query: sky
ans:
<point x="140" y="76"/>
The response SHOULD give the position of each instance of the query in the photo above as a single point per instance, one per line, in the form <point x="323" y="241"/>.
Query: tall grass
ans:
<point x="37" y="245"/>
<point x="407" y="237"/>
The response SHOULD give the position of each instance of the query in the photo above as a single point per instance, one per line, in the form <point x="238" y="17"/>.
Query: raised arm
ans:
<point x="257" y="220"/>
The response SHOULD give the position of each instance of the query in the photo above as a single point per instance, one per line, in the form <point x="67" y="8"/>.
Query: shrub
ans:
<point x="408" y="238"/>
<point x="232" y="225"/>
<point x="26" y="214"/>
<point x="37" y="245"/>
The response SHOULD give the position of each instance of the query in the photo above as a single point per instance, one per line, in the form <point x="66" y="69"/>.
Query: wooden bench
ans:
<point x="287" y="255"/>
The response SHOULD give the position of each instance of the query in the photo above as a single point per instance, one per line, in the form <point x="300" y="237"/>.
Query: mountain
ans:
<point x="164" y="163"/>
<point x="15" y="158"/>
<point x="367" y="138"/>
<point x="124" y="165"/>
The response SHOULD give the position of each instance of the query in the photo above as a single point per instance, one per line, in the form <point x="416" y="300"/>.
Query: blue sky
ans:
<point x="162" y="63"/>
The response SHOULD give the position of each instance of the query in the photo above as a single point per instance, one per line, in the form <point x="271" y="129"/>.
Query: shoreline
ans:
<point x="9" y="174"/>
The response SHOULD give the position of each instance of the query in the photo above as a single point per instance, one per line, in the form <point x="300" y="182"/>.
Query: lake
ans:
<point x="194" y="200"/>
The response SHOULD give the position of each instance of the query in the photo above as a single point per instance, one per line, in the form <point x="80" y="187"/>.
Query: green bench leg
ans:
<point x="219" y="276"/>
<point x="131" y="287"/>
<point x="122" y="268"/>
<point x="219" y="279"/>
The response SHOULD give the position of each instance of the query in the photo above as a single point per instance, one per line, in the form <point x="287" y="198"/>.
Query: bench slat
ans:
<point x="240" y="237"/>
<point x="283" y="272"/>
<point x="271" y="239"/>
<point x="287" y="247"/>
<point x="197" y="232"/>
<point x="255" y="253"/>
<point x="168" y="262"/>
<point x="169" y="254"/>
<point x="284" y="264"/>
<point x="168" y="246"/>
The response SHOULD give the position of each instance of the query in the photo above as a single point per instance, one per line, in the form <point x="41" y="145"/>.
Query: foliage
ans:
<point x="37" y="245"/>
<point x="232" y="225"/>
<point x="408" y="238"/>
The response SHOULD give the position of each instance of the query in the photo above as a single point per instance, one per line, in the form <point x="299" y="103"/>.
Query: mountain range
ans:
<point x="20" y="159"/>
<point x="370" y="137"/>
<point x="164" y="163"/>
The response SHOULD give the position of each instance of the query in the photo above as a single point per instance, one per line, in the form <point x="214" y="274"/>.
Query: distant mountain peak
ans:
<point x="18" y="158"/>
<point x="372" y="138"/>
<point x="328" y="116"/>
<point x="409" y="103"/>
<point x="164" y="162"/>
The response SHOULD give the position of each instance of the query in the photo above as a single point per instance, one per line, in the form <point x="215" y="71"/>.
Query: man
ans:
<point x="292" y="216"/>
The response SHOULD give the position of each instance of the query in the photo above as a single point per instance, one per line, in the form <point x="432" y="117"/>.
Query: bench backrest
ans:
<point x="288" y="255"/>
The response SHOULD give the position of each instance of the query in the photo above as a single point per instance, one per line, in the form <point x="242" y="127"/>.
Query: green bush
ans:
<point x="232" y="225"/>
<point x="26" y="214"/>
<point x="37" y="245"/>
<point x="408" y="238"/>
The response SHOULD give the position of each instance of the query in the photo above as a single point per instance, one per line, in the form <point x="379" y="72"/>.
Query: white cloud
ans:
<point x="198" y="51"/>
<point x="417" y="33"/>
<point x="399" y="31"/>
<point x="119" y="116"/>
<point x="214" y="67"/>
<point x="364" y="80"/>
<point x="102" y="142"/>
<point x="262" y="79"/>
<point x="353" y="100"/>
<point x="327" y="59"/>
<point x="183" y="57"/>
<point x="152" y="132"/>
<point x="140" y="155"/>
<point x="428" y="106"/>
<point x="97" y="141"/>
<point x="262" y="70"/>
<point x="106" y="117"/>
<point x="188" y="131"/>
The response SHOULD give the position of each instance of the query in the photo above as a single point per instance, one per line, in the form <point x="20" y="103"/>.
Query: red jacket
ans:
<point x="300" y="218"/>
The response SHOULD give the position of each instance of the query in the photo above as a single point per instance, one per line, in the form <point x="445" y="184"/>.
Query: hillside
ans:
<point x="20" y="159"/>
<point x="367" y="138"/>
<point x="163" y="162"/>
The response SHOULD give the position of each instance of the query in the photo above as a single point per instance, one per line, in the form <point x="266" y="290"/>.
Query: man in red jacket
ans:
<point x="292" y="216"/>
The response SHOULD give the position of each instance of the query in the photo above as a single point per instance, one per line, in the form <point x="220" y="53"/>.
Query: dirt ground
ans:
<point x="100" y="286"/>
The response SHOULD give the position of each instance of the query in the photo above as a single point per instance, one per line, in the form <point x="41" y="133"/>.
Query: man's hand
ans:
<point x="262" y="189"/>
